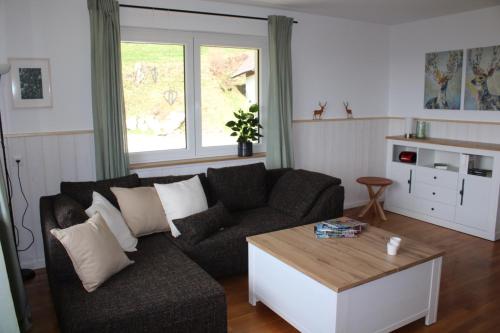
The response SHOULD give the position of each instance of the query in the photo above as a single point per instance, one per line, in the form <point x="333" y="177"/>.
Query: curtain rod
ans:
<point x="196" y="12"/>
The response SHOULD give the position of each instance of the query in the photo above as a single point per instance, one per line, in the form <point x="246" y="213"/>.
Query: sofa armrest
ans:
<point x="330" y="204"/>
<point x="57" y="262"/>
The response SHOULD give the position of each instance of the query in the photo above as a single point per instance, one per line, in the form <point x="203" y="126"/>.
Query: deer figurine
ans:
<point x="485" y="100"/>
<point x="318" y="114"/>
<point x="442" y="79"/>
<point x="348" y="111"/>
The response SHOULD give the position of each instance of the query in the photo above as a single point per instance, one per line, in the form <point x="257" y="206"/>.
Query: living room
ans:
<point x="373" y="59"/>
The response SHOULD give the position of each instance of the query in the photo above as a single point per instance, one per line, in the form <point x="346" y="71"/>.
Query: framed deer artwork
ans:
<point x="443" y="80"/>
<point x="482" y="79"/>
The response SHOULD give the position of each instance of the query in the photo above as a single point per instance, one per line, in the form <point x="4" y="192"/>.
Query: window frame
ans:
<point x="192" y="42"/>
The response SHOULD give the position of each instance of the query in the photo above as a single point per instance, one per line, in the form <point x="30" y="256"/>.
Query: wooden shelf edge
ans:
<point x="298" y="121"/>
<point x="449" y="142"/>
<point x="199" y="160"/>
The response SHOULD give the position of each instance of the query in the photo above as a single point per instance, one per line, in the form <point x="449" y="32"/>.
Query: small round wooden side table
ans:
<point x="370" y="182"/>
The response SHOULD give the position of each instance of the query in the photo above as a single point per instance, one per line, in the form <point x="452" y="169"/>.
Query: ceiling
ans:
<point x="376" y="11"/>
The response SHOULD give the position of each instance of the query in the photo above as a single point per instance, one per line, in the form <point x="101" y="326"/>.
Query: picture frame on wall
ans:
<point x="482" y="79"/>
<point x="31" y="83"/>
<point x="443" y="80"/>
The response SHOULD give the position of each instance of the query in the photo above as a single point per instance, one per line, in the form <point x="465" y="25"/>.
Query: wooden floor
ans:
<point x="469" y="299"/>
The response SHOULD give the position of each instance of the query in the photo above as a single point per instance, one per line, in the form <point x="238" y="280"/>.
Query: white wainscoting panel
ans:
<point x="46" y="160"/>
<point x="347" y="149"/>
<point x="344" y="149"/>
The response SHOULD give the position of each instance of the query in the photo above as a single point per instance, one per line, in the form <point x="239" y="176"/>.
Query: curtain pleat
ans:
<point x="107" y="91"/>
<point x="280" y="106"/>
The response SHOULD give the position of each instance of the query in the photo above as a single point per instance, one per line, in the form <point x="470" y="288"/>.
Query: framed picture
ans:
<point x="443" y="80"/>
<point x="31" y="86"/>
<point x="482" y="79"/>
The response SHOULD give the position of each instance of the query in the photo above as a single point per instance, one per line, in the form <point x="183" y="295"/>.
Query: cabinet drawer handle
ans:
<point x="435" y="177"/>
<point x="433" y="193"/>
<point x="432" y="208"/>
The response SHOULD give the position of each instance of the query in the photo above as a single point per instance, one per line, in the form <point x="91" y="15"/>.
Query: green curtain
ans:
<point x="280" y="106"/>
<point x="107" y="91"/>
<point x="19" y="297"/>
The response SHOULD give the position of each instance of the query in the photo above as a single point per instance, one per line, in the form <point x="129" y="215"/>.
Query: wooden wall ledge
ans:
<point x="449" y="142"/>
<point x="210" y="159"/>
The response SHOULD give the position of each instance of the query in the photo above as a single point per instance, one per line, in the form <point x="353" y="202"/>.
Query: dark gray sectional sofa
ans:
<point x="171" y="285"/>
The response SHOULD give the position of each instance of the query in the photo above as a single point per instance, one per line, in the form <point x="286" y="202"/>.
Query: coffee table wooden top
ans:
<point x="342" y="263"/>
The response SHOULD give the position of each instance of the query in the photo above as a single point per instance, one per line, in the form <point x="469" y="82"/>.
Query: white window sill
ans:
<point x="160" y="164"/>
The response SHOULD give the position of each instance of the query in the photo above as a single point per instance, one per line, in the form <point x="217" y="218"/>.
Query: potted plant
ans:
<point x="246" y="128"/>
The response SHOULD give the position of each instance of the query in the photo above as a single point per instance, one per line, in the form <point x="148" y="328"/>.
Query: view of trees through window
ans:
<point x="155" y="93"/>
<point x="228" y="83"/>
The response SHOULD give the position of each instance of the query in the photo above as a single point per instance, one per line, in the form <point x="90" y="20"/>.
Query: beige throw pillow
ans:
<point x="142" y="210"/>
<point x="94" y="251"/>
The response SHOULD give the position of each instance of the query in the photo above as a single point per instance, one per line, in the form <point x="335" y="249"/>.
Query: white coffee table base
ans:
<point x="382" y="305"/>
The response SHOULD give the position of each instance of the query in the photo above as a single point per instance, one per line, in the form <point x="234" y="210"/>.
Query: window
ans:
<point x="181" y="88"/>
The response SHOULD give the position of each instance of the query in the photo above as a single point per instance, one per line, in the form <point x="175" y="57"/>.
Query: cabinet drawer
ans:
<point x="435" y="177"/>
<point x="436" y="209"/>
<point x="435" y="193"/>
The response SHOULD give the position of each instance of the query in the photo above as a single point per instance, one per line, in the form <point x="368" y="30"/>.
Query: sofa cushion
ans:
<point x="164" y="291"/>
<point x="82" y="191"/>
<point x="239" y="187"/>
<point x="297" y="190"/>
<point x="225" y="252"/>
<point x="94" y="251"/>
<point x="150" y="181"/>
<point x="141" y="209"/>
<point x="114" y="220"/>
<point x="68" y="212"/>
<point x="199" y="226"/>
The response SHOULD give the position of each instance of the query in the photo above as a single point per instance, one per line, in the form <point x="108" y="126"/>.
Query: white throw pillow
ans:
<point x="114" y="219"/>
<point x="182" y="199"/>
<point x="93" y="250"/>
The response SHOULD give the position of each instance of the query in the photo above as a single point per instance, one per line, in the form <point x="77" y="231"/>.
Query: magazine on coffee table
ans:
<point x="339" y="228"/>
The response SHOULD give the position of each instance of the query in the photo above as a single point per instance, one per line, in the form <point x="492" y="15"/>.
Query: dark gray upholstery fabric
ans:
<point x="82" y="191"/>
<point x="225" y="252"/>
<point x="329" y="205"/>
<point x="57" y="262"/>
<point x="297" y="190"/>
<point x="163" y="291"/>
<point x="197" y="227"/>
<point x="272" y="177"/>
<point x="239" y="187"/>
<point x="150" y="181"/>
<point x="68" y="212"/>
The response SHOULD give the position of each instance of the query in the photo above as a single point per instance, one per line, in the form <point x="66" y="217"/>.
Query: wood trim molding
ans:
<point x="449" y="142"/>
<point x="298" y="121"/>
<point x="199" y="160"/>
<point x="23" y="135"/>
<point x="472" y="122"/>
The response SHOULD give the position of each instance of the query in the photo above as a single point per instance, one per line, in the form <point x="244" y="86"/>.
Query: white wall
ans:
<point x="409" y="44"/>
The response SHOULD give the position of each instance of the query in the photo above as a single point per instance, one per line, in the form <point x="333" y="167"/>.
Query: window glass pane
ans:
<point x="154" y="89"/>
<point x="229" y="81"/>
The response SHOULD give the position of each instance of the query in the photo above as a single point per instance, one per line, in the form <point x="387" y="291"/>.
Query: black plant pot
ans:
<point x="245" y="149"/>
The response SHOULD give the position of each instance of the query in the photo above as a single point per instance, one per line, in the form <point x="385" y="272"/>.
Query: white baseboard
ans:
<point x="354" y="204"/>
<point x="34" y="263"/>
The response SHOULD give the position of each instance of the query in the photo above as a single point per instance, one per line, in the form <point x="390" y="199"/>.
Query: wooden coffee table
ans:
<point x="343" y="285"/>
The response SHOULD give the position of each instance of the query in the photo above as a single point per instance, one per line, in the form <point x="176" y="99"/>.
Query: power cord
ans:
<point x="18" y="162"/>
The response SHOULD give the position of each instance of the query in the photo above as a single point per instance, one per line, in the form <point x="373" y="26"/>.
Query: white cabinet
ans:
<point x="473" y="202"/>
<point x="463" y="196"/>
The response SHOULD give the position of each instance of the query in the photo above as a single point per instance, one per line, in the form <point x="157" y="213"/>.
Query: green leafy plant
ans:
<point x="246" y="126"/>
